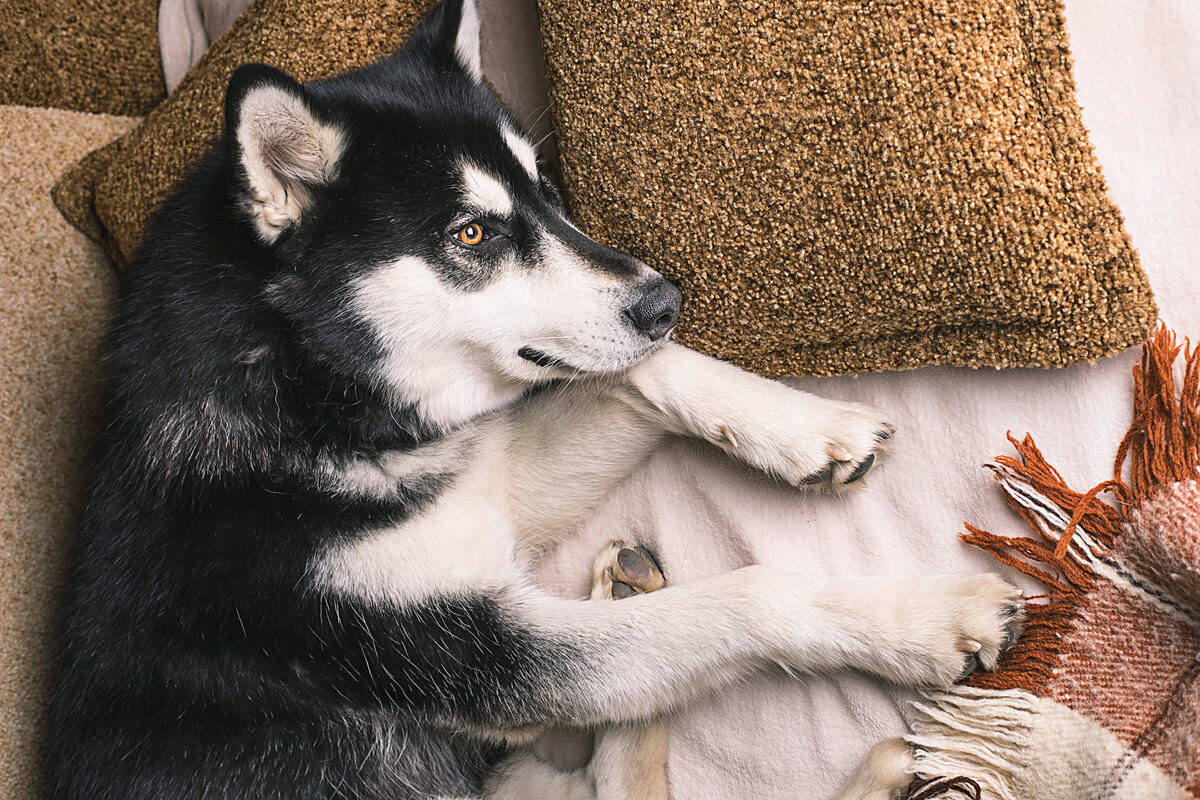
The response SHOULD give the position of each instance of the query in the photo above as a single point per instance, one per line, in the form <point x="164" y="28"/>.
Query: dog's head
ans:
<point x="417" y="240"/>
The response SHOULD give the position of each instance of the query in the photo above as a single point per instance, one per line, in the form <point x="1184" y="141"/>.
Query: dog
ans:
<point x="365" y="372"/>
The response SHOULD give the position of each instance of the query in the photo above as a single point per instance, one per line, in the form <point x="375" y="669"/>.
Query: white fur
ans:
<point x="689" y="638"/>
<point x="521" y="149"/>
<point x="485" y="193"/>
<point x="431" y="359"/>
<point x="285" y="149"/>
<point x="654" y="652"/>
<point x="783" y="432"/>
<point x="381" y="477"/>
<point x="466" y="42"/>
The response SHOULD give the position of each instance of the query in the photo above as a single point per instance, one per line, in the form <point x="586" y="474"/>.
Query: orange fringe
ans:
<point x="1162" y="446"/>
<point x="1163" y="443"/>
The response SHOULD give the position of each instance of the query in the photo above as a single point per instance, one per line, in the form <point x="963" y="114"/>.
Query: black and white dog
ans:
<point x="365" y="371"/>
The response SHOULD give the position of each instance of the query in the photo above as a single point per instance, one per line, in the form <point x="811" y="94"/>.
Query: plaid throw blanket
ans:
<point x="1100" y="698"/>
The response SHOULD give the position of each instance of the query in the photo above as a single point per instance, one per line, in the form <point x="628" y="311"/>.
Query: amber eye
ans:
<point x="470" y="234"/>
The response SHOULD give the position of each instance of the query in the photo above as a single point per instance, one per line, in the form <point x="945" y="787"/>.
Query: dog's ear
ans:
<point x="449" y="36"/>
<point x="281" y="144"/>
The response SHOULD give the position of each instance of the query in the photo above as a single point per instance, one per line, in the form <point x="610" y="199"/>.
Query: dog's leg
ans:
<point x="598" y="430"/>
<point x="510" y="657"/>
<point x="621" y="762"/>
<point x="793" y="435"/>
<point x="630" y="761"/>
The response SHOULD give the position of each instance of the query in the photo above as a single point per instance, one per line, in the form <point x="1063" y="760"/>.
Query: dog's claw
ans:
<point x="729" y="437"/>
<point x="862" y="468"/>
<point x="838" y="453"/>
<point x="972" y="664"/>
<point x="818" y="477"/>
<point x="1012" y="630"/>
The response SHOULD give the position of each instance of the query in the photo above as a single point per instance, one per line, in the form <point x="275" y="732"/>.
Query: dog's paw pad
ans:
<point x="622" y="571"/>
<point x="638" y="568"/>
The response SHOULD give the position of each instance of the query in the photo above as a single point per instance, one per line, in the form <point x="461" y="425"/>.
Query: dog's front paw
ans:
<point x="806" y="440"/>
<point x="854" y="435"/>
<point x="953" y="625"/>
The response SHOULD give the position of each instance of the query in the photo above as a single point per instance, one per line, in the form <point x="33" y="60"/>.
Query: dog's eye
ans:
<point x="470" y="234"/>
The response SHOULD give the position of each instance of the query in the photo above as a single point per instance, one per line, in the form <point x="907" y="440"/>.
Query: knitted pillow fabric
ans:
<point x="845" y="185"/>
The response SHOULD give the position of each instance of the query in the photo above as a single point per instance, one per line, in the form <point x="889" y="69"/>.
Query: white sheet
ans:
<point x="1137" y="65"/>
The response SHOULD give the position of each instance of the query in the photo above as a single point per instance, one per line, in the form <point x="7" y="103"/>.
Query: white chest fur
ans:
<point x="463" y="540"/>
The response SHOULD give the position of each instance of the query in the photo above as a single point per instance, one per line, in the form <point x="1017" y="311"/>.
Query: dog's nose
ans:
<point x="657" y="310"/>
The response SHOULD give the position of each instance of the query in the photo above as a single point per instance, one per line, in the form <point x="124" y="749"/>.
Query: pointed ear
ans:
<point x="450" y="37"/>
<point x="281" y="143"/>
<point x="466" y="38"/>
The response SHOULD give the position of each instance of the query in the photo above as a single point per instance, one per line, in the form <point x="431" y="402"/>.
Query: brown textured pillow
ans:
<point x="86" y="55"/>
<point x="852" y="185"/>
<point x="112" y="192"/>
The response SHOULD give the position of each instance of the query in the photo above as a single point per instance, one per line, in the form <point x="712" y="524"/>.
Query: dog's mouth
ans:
<point x="548" y="361"/>
<point x="540" y="358"/>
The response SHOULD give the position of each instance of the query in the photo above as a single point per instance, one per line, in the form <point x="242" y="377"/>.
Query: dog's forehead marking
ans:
<point x="485" y="192"/>
<point x="523" y="151"/>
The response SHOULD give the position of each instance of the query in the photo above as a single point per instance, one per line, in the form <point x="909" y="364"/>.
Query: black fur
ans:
<point x="196" y="661"/>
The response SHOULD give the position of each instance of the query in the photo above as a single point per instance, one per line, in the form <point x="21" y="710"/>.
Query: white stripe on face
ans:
<point x="484" y="192"/>
<point x="523" y="151"/>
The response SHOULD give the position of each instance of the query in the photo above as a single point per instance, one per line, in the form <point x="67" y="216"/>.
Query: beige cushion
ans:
<point x="55" y="288"/>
